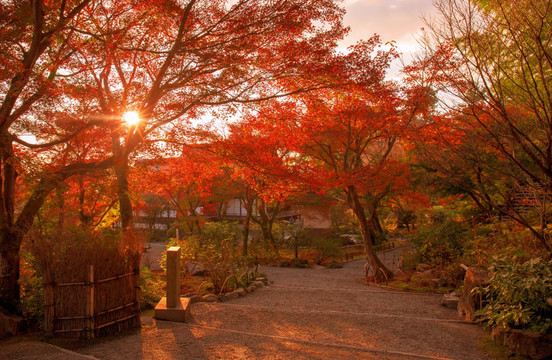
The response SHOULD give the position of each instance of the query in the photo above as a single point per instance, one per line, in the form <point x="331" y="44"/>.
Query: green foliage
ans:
<point x="517" y="295"/>
<point x="152" y="289"/>
<point x="216" y="250"/>
<point x="32" y="292"/>
<point x="288" y="235"/>
<point x="500" y="239"/>
<point x="326" y="248"/>
<point x="263" y="252"/>
<point x="441" y="241"/>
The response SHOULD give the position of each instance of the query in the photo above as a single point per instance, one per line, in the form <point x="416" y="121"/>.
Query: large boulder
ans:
<point x="9" y="324"/>
<point x="525" y="342"/>
<point x="471" y="302"/>
<point x="450" y="300"/>
<point x="195" y="268"/>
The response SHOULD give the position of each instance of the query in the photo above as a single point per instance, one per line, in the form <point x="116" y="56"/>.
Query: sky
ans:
<point x="397" y="20"/>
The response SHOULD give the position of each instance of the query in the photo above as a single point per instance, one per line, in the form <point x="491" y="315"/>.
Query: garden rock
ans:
<point x="258" y="284"/>
<point x="196" y="268"/>
<point x="232" y="295"/>
<point x="210" y="298"/>
<point x="469" y="303"/>
<point x="334" y="265"/>
<point x="250" y="288"/>
<point x="194" y="298"/>
<point x="450" y="300"/>
<point x="300" y="263"/>
<point x="240" y="292"/>
<point x="284" y="263"/>
<point x="264" y="280"/>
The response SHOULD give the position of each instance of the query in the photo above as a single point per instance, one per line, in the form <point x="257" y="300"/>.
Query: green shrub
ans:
<point x="326" y="248"/>
<point x="441" y="241"/>
<point x="263" y="252"/>
<point x="517" y="295"/>
<point x="152" y="289"/>
<point x="216" y="249"/>
<point x="32" y="292"/>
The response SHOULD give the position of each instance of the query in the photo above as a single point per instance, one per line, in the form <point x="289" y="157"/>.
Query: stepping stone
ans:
<point x="209" y="298"/>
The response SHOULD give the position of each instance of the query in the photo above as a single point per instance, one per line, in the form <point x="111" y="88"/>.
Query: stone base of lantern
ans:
<point x="179" y="313"/>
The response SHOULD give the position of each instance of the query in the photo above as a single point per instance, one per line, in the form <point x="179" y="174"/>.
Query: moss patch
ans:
<point x="498" y="352"/>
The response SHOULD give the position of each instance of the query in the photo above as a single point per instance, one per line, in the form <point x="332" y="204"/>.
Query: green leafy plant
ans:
<point x="216" y="250"/>
<point x="32" y="292"/>
<point x="326" y="248"/>
<point x="517" y="295"/>
<point x="441" y="241"/>
<point x="263" y="252"/>
<point x="152" y="289"/>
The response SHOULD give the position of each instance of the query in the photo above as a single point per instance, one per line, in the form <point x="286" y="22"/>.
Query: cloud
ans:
<point x="391" y="19"/>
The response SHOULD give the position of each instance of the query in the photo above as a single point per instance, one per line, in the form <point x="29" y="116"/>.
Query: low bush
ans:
<point x="216" y="249"/>
<point x="152" y="289"/>
<point x="517" y="295"/>
<point x="441" y="241"/>
<point x="326" y="248"/>
<point x="263" y="252"/>
<point x="32" y="292"/>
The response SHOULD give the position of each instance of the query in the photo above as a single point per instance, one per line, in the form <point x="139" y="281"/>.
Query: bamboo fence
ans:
<point x="92" y="307"/>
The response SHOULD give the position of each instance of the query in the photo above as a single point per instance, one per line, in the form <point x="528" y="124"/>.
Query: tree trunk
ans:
<point x="246" y="224"/>
<point x="9" y="271"/>
<point x="366" y="231"/>
<point x="266" y="223"/>
<point x="375" y="223"/>
<point x="246" y="234"/>
<point x="121" y="174"/>
<point x="10" y="237"/>
<point x="125" y="205"/>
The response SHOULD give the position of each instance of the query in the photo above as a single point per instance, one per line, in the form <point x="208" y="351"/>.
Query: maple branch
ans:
<point x="110" y="206"/>
<point x="59" y="141"/>
<point x="50" y="182"/>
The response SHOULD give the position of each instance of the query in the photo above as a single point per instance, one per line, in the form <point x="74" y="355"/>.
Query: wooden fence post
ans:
<point x="49" y="308"/>
<point x="136" y="287"/>
<point x="90" y="302"/>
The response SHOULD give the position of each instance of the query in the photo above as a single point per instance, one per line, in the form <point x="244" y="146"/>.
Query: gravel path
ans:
<point x="307" y="314"/>
<point x="304" y="314"/>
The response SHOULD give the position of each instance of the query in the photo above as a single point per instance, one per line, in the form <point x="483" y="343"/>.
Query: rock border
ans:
<point x="237" y="293"/>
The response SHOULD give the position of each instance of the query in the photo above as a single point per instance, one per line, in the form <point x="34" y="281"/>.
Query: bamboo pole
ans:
<point x="90" y="303"/>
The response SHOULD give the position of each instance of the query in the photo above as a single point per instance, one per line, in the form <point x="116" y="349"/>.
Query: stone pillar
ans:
<point x="173" y="276"/>
<point x="173" y="307"/>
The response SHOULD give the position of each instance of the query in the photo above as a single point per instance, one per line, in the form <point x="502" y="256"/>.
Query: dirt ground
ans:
<point x="303" y="314"/>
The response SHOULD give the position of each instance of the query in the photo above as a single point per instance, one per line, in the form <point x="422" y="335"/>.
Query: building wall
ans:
<point x="316" y="217"/>
<point x="235" y="208"/>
